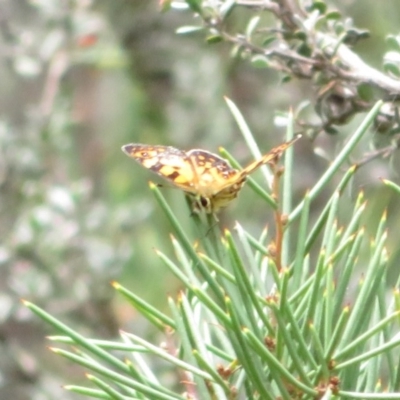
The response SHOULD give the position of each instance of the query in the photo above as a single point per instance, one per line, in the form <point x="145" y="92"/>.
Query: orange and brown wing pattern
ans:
<point x="272" y="155"/>
<point x="229" y="191"/>
<point x="217" y="180"/>
<point x="213" y="172"/>
<point x="168" y="162"/>
<point x="210" y="179"/>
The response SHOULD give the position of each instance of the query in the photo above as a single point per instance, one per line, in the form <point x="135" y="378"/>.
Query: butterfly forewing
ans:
<point x="168" y="162"/>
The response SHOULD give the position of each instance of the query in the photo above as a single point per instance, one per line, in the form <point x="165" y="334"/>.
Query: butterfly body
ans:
<point x="207" y="178"/>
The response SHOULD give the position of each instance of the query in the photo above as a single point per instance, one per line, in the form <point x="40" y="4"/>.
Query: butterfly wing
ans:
<point x="216" y="179"/>
<point x="213" y="172"/>
<point x="208" y="177"/>
<point x="272" y="155"/>
<point x="168" y="162"/>
<point x="230" y="189"/>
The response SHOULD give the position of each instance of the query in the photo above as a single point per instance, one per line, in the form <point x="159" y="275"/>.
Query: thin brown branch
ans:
<point x="278" y="243"/>
<point x="332" y="55"/>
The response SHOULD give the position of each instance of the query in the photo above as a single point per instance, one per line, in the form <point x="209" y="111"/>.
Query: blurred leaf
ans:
<point x="188" y="29"/>
<point x="251" y="26"/>
<point x="195" y="5"/>
<point x="213" y="39"/>
<point x="365" y="92"/>
<point x="318" y="5"/>
<point x="268" y="40"/>
<point x="393" y="43"/>
<point x="227" y="8"/>
<point x="392" y="67"/>
<point x="260" y="61"/>
<point x="333" y="15"/>
<point x="353" y="35"/>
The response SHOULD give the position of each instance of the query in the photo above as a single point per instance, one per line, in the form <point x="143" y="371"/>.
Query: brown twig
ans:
<point x="302" y="50"/>
<point x="278" y="242"/>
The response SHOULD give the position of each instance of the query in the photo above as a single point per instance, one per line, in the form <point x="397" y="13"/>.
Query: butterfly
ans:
<point x="206" y="177"/>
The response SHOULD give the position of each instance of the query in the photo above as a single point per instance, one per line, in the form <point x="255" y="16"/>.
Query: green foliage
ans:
<point x="262" y="317"/>
<point x="79" y="79"/>
<point x="308" y="40"/>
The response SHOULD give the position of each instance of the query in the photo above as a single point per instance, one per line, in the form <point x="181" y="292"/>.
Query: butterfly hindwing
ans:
<point x="212" y="171"/>
<point x="273" y="154"/>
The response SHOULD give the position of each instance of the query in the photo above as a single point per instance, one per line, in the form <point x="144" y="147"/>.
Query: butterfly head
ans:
<point x="212" y="203"/>
<point x="201" y="204"/>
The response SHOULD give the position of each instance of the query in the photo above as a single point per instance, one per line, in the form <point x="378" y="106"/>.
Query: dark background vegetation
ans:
<point x="78" y="80"/>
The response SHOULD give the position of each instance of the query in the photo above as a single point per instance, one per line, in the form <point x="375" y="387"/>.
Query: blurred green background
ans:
<point x="78" y="80"/>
